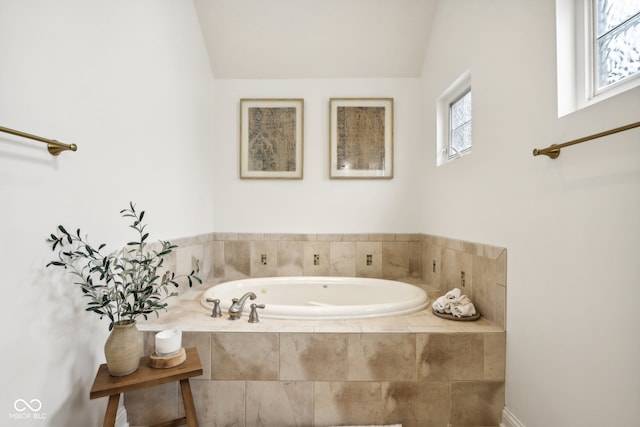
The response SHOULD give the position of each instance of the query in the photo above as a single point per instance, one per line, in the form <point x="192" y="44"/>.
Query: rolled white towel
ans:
<point x="448" y="306"/>
<point x="462" y="300"/>
<point x="439" y="304"/>
<point x="453" y="294"/>
<point x="463" y="310"/>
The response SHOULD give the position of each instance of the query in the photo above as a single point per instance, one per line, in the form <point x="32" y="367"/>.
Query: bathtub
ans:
<point x="321" y="298"/>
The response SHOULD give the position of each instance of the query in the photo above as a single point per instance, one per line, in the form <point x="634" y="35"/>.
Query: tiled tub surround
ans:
<point x="417" y="369"/>
<point x="435" y="261"/>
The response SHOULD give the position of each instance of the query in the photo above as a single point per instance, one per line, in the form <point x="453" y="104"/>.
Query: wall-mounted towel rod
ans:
<point x="553" y="151"/>
<point x="54" y="147"/>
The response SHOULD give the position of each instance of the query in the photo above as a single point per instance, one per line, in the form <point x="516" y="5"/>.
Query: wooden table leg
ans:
<point x="112" y="411"/>
<point x="189" y="407"/>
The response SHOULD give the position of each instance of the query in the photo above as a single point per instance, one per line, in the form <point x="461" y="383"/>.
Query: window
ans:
<point x="460" y="125"/>
<point x="598" y="50"/>
<point x="454" y="121"/>
<point x="616" y="41"/>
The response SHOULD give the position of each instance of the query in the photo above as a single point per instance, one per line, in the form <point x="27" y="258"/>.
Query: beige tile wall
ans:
<point x="435" y="261"/>
<point x="321" y="379"/>
<point x="485" y="268"/>
<point x="303" y="379"/>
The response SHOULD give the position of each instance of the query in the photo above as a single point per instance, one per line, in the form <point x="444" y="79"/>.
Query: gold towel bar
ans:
<point x="54" y="147"/>
<point x="553" y="151"/>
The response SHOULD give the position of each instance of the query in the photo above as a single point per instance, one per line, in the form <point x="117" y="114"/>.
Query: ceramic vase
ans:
<point x="123" y="348"/>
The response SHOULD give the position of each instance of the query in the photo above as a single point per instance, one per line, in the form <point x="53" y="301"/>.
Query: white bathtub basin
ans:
<point x="320" y="298"/>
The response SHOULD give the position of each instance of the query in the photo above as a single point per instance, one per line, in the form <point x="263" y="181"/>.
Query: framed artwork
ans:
<point x="271" y="138"/>
<point x="361" y="137"/>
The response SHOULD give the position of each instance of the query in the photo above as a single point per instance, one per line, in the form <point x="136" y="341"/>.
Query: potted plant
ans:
<point x="121" y="285"/>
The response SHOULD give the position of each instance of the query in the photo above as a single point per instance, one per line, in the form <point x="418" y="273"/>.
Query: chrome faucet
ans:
<point x="253" y="316"/>
<point x="215" y="312"/>
<point x="235" y="311"/>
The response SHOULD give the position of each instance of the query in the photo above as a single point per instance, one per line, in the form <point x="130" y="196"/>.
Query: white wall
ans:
<point x="571" y="225"/>
<point x="130" y="84"/>
<point x="317" y="204"/>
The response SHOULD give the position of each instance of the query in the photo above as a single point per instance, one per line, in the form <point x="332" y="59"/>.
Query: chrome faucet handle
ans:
<point x="253" y="315"/>
<point x="235" y="311"/>
<point x="216" y="312"/>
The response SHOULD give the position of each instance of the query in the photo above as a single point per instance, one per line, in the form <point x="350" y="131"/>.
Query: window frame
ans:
<point x="574" y="59"/>
<point x="594" y="57"/>
<point x="450" y="147"/>
<point x="576" y="51"/>
<point x="458" y="89"/>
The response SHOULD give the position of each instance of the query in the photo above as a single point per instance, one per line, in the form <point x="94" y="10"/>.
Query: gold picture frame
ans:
<point x="361" y="138"/>
<point x="271" y="138"/>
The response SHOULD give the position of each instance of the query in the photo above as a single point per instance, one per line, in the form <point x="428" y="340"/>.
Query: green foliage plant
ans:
<point x="123" y="284"/>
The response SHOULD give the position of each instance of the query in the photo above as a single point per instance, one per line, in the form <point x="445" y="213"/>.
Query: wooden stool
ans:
<point x="146" y="376"/>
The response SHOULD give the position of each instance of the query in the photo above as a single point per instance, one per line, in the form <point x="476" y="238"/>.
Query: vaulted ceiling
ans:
<point x="258" y="39"/>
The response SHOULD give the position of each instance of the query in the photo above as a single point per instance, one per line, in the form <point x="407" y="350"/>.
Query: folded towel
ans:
<point x="462" y="301"/>
<point x="441" y="304"/>
<point x="453" y="294"/>
<point x="454" y="303"/>
<point x="463" y="310"/>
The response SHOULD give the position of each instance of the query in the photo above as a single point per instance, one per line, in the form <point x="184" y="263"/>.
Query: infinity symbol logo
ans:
<point x="21" y="405"/>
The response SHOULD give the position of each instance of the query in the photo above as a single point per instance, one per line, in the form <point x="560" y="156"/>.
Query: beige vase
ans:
<point x="123" y="348"/>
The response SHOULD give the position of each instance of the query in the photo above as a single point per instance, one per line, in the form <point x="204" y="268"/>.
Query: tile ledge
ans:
<point x="186" y="313"/>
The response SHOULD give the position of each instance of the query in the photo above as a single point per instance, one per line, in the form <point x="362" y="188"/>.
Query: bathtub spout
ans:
<point x="235" y="311"/>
